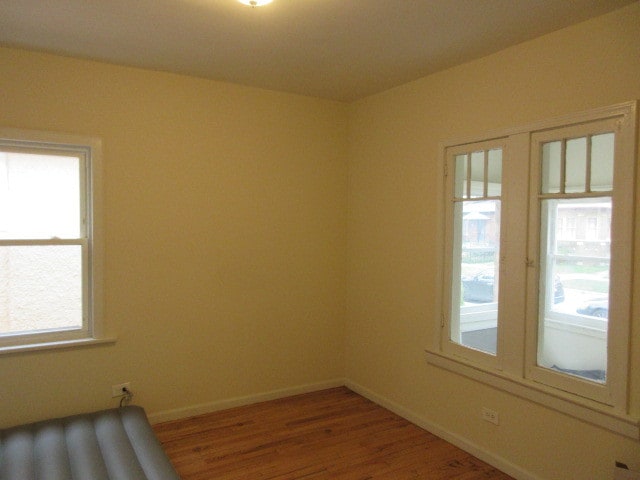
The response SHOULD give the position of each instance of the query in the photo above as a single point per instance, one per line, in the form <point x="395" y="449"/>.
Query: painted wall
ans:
<point x="225" y="237"/>
<point x="232" y="253"/>
<point x="395" y="236"/>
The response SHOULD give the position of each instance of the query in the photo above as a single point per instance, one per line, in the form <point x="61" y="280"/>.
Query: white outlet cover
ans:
<point x="116" y="390"/>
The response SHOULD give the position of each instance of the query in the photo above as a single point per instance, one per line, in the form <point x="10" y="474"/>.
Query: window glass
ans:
<point x="39" y="196"/>
<point x="477" y="174"/>
<point x="41" y="288"/>
<point x="494" y="174"/>
<point x="574" y="287"/>
<point x="460" y="188"/>
<point x="602" y="162"/>
<point x="551" y="167"/>
<point x="576" y="165"/>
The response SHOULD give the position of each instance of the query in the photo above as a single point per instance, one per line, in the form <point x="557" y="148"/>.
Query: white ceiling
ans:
<point x="334" y="49"/>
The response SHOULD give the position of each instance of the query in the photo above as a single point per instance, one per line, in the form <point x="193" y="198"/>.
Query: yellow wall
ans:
<point x="394" y="235"/>
<point x="247" y="231"/>
<point x="225" y="237"/>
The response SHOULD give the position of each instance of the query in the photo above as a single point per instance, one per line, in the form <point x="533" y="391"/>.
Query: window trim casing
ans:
<point x="512" y="377"/>
<point x="95" y="329"/>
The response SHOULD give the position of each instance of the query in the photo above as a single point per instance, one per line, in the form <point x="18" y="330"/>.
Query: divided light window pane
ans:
<point x="576" y="167"/>
<point x="551" y="167"/>
<point x="602" y="147"/>
<point x="494" y="174"/>
<point x="460" y="185"/>
<point x="477" y="175"/>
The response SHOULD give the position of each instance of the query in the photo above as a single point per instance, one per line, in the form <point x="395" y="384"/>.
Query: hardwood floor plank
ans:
<point x="332" y="434"/>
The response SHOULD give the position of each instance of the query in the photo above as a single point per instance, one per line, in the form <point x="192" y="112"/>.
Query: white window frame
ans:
<point x="89" y="150"/>
<point x="514" y="368"/>
<point x="452" y="271"/>
<point x="614" y="391"/>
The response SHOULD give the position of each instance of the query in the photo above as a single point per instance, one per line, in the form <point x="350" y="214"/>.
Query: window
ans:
<point x="538" y="255"/>
<point x="475" y="270"/>
<point x="49" y="250"/>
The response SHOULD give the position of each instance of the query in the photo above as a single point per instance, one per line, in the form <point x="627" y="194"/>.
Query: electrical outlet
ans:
<point x="118" y="390"/>
<point x="489" y="415"/>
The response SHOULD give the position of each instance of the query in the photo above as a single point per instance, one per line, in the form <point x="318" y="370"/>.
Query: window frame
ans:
<point x="514" y="371"/>
<point x="94" y="329"/>
<point x="613" y="392"/>
<point x="448" y="346"/>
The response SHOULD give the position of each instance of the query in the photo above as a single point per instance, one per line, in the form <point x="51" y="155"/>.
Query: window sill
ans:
<point x="62" y="344"/>
<point x="589" y="411"/>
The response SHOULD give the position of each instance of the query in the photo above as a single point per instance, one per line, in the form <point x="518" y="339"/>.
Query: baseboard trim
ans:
<point x="494" y="460"/>
<point x="202" y="408"/>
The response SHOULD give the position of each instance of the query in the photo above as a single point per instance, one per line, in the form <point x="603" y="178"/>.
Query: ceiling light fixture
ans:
<point x="255" y="3"/>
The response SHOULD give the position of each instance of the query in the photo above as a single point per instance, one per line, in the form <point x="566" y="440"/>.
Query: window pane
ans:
<point x="602" y="162"/>
<point x="475" y="294"/>
<point x="576" y="165"/>
<point x="39" y="196"/>
<point x="551" y="166"/>
<point x="494" y="174"/>
<point x="460" y="186"/>
<point x="574" y="286"/>
<point x="477" y="174"/>
<point x="40" y="288"/>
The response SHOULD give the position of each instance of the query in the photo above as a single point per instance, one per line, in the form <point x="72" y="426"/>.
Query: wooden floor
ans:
<point x="332" y="434"/>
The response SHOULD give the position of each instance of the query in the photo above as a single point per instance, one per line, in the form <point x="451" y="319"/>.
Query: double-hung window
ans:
<point x="537" y="263"/>
<point x="49" y="247"/>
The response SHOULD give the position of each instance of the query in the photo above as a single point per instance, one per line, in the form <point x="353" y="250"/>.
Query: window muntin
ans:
<point x="49" y="260"/>
<point x="475" y="254"/>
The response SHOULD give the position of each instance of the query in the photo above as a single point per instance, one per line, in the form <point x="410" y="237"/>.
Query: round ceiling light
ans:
<point x="255" y="3"/>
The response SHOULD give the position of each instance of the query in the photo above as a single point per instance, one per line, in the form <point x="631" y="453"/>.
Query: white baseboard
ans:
<point x="496" y="461"/>
<point x="200" y="409"/>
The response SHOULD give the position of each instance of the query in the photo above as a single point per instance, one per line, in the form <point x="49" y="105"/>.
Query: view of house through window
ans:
<point x="42" y="241"/>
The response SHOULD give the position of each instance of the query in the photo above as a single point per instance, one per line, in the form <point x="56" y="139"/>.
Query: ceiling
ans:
<point x="334" y="49"/>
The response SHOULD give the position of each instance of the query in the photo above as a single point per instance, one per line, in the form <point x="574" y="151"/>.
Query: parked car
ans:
<point x="479" y="288"/>
<point x="595" y="308"/>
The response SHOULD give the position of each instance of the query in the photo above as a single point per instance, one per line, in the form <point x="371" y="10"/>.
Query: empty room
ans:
<point x="426" y="209"/>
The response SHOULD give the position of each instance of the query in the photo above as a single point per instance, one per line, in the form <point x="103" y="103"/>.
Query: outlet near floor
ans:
<point x="490" y="416"/>
<point x="119" y="390"/>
